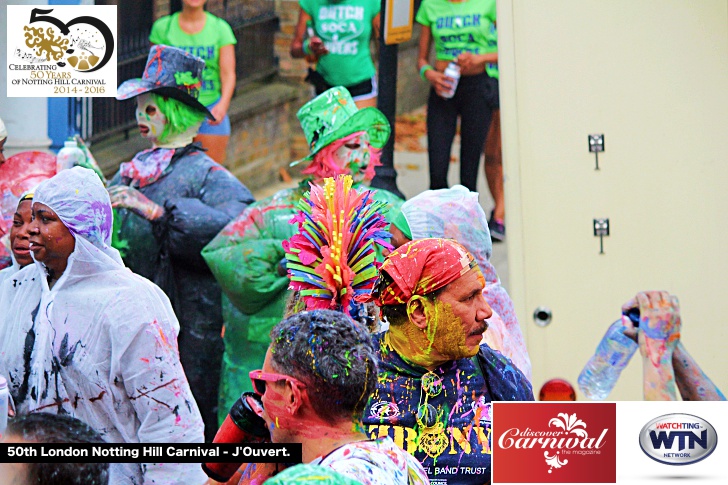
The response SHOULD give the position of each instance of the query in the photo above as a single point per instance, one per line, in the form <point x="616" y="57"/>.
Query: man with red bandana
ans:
<point x="436" y="381"/>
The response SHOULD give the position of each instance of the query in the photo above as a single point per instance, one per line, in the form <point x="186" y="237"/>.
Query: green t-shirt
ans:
<point x="346" y="28"/>
<point x="459" y="27"/>
<point x="204" y="44"/>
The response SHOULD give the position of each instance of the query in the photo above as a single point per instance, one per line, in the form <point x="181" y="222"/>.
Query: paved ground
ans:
<point x="413" y="178"/>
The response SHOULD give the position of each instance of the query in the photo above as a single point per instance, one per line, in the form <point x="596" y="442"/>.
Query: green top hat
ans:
<point x="333" y="115"/>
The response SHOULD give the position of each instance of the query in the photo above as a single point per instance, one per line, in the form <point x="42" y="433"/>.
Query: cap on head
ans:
<point x="170" y="72"/>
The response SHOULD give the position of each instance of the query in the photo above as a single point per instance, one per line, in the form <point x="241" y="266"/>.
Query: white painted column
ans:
<point x="26" y="119"/>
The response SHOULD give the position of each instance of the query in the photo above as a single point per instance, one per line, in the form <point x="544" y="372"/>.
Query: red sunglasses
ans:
<point x="259" y="378"/>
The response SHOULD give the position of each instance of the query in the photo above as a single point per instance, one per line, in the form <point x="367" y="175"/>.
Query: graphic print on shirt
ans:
<point x="339" y="26"/>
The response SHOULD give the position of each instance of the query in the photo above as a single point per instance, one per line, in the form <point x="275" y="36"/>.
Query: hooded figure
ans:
<point x="246" y="257"/>
<point x="93" y="339"/>
<point x="455" y="213"/>
<point x="172" y="200"/>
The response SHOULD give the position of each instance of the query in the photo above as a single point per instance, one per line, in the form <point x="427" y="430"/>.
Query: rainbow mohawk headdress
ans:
<point x="332" y="259"/>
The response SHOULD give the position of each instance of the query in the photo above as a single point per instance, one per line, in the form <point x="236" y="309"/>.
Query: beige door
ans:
<point x="652" y="76"/>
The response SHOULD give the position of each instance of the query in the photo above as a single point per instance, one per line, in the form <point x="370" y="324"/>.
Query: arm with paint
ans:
<point x="692" y="382"/>
<point x="658" y="335"/>
<point x="125" y="197"/>
<point x="147" y="365"/>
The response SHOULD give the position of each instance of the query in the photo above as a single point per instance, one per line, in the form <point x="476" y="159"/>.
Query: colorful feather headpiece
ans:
<point x="332" y="259"/>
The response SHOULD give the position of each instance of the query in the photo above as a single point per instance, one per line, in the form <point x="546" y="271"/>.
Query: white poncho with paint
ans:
<point x="103" y="340"/>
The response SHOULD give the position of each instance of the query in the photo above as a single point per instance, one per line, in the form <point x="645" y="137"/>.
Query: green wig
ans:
<point x="180" y="117"/>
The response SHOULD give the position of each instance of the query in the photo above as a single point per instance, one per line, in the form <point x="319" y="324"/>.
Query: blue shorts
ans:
<point x="223" y="129"/>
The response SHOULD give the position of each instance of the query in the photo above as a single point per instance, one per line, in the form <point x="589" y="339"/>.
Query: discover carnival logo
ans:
<point x="63" y="51"/>
<point x="574" y="442"/>
<point x="678" y="439"/>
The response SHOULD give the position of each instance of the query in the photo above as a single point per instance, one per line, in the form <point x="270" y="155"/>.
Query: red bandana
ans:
<point x="421" y="267"/>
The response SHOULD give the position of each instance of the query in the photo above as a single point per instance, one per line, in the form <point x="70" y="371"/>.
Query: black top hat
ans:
<point x="170" y="72"/>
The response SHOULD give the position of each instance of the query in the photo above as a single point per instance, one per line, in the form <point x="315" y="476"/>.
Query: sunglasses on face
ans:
<point x="259" y="379"/>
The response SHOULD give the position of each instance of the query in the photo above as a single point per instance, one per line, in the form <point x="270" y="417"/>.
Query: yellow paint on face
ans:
<point x="448" y="334"/>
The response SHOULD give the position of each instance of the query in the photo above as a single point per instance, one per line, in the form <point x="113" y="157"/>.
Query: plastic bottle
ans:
<point x="600" y="374"/>
<point x="69" y="156"/>
<point x="4" y="398"/>
<point x="453" y="72"/>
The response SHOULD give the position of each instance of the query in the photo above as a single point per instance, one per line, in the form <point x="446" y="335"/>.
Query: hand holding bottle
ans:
<point x="440" y="82"/>
<point x="658" y="336"/>
<point x="316" y="46"/>
<point x="660" y="323"/>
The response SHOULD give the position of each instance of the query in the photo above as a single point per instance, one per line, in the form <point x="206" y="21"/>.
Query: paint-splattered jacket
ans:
<point x="199" y="198"/>
<point x="461" y="447"/>
<point x="244" y="258"/>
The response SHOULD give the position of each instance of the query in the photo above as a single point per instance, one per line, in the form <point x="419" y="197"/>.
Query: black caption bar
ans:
<point x="150" y="453"/>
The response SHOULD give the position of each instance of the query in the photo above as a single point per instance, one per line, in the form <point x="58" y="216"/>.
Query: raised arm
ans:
<point x="658" y="335"/>
<point x="692" y="382"/>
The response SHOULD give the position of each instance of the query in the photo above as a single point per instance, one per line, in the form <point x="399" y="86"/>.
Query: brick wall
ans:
<point x="411" y="90"/>
<point x="260" y="143"/>
<point x="290" y="68"/>
<point x="161" y="8"/>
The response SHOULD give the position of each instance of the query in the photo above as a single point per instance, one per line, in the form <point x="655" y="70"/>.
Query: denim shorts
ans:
<point x="223" y="129"/>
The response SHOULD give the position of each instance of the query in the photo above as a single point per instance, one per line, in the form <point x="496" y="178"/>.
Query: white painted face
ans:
<point x="149" y="117"/>
<point x="354" y="154"/>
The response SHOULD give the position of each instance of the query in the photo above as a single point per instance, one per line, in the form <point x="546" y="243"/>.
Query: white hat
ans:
<point x="3" y="131"/>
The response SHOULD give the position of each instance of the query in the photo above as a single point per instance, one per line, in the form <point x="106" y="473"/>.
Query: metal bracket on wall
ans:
<point x="601" y="229"/>
<point x="596" y="145"/>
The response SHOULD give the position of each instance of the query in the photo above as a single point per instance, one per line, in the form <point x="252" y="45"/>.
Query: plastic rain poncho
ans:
<point x="9" y="271"/>
<point x="455" y="213"/>
<point x="101" y="345"/>
<point x="244" y="258"/>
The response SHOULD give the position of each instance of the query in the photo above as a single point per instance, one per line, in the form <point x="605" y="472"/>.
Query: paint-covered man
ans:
<point x="436" y="381"/>
<point x="172" y="199"/>
<point x="317" y="375"/>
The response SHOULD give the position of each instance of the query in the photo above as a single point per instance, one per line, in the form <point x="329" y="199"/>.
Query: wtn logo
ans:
<point x="665" y="439"/>
<point x="678" y="439"/>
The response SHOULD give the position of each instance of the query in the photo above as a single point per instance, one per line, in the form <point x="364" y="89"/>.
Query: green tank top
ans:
<point x="345" y="26"/>
<point x="459" y="27"/>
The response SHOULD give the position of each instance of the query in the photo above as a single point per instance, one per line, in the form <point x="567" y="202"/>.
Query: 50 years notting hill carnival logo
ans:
<point x="678" y="439"/>
<point x="61" y="51"/>
<point x="554" y="442"/>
